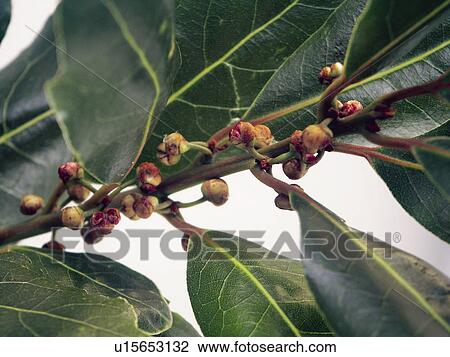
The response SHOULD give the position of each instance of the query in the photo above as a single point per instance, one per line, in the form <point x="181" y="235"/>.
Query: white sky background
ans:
<point x="345" y="184"/>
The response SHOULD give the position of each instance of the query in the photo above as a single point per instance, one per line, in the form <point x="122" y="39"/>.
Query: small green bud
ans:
<point x="72" y="217"/>
<point x="336" y="69"/>
<point x="215" y="191"/>
<point x="30" y="204"/>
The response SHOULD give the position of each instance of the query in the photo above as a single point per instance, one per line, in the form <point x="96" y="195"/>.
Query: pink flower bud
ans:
<point x="70" y="171"/>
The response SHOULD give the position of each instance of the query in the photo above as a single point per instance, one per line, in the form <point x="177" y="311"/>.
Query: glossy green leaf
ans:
<point x="229" y="51"/>
<point x="436" y="163"/>
<point x="76" y="295"/>
<point x="31" y="144"/>
<point x="62" y="295"/>
<point x="238" y="288"/>
<point x="115" y="67"/>
<point x="180" y="328"/>
<point x="366" y="287"/>
<point x="415" y="116"/>
<point x="388" y="30"/>
<point x="415" y="192"/>
<point x="5" y="16"/>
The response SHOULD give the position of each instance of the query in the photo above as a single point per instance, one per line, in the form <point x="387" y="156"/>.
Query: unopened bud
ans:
<point x="349" y="108"/>
<point x="324" y="75"/>
<point x="144" y="206"/>
<point x="78" y="192"/>
<point x="314" y="138"/>
<point x="292" y="169"/>
<point x="336" y="69"/>
<point x="215" y="191"/>
<point x="242" y="133"/>
<point x="54" y="245"/>
<point x="282" y="202"/>
<point x="164" y="157"/>
<point x="30" y="204"/>
<point x="72" y="217"/>
<point x="175" y="144"/>
<point x="127" y="207"/>
<point x="70" y="171"/>
<point x="92" y="235"/>
<point x="148" y="177"/>
<point x="264" y="136"/>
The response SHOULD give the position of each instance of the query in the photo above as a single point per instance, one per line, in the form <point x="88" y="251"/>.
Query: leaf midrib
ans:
<point x="384" y="265"/>
<point x="21" y="248"/>
<point x="230" y="52"/>
<point x="257" y="284"/>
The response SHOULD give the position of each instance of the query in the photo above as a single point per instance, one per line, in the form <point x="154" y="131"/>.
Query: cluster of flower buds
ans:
<point x="30" y="204"/>
<point x="329" y="73"/>
<point x="215" y="191"/>
<point x="313" y="138"/>
<point x="170" y="150"/>
<point x="70" y="171"/>
<point x="101" y="224"/>
<point x="247" y="134"/>
<point x="148" y="177"/>
<point x="135" y="206"/>
<point x="54" y="245"/>
<point x="72" y="217"/>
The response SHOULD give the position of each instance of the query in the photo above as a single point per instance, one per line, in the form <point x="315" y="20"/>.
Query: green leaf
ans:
<point x="180" y="328"/>
<point x="31" y="144"/>
<point x="238" y="288"/>
<point x="384" y="292"/>
<point x="388" y="30"/>
<point x="296" y="103"/>
<point x="415" y="192"/>
<point x="5" y="17"/>
<point x="72" y="294"/>
<point x="115" y="66"/>
<point x="436" y="162"/>
<point x="228" y="54"/>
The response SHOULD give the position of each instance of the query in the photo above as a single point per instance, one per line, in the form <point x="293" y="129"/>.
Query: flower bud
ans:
<point x="100" y="221"/>
<point x="127" y="207"/>
<point x="164" y="157"/>
<point x="215" y="191"/>
<point x="92" y="235"/>
<point x="282" y="202"/>
<point x="263" y="136"/>
<point x="148" y="176"/>
<point x="314" y="138"/>
<point x="175" y="144"/>
<point x="296" y="140"/>
<point x="30" y="204"/>
<point x="54" y="245"/>
<point x="324" y="75"/>
<point x="78" y="192"/>
<point x="242" y="133"/>
<point x="336" y="69"/>
<point x="144" y="206"/>
<point x="113" y="215"/>
<point x="70" y="171"/>
<point x="349" y="108"/>
<point x="291" y="169"/>
<point x="72" y="217"/>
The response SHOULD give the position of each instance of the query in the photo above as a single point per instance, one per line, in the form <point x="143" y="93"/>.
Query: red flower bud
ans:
<point x="113" y="215"/>
<point x="324" y="75"/>
<point x="30" y="204"/>
<point x="54" y="245"/>
<point x="70" y="171"/>
<point x="92" y="235"/>
<point x="349" y="108"/>
<point x="242" y="133"/>
<point x="291" y="169"/>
